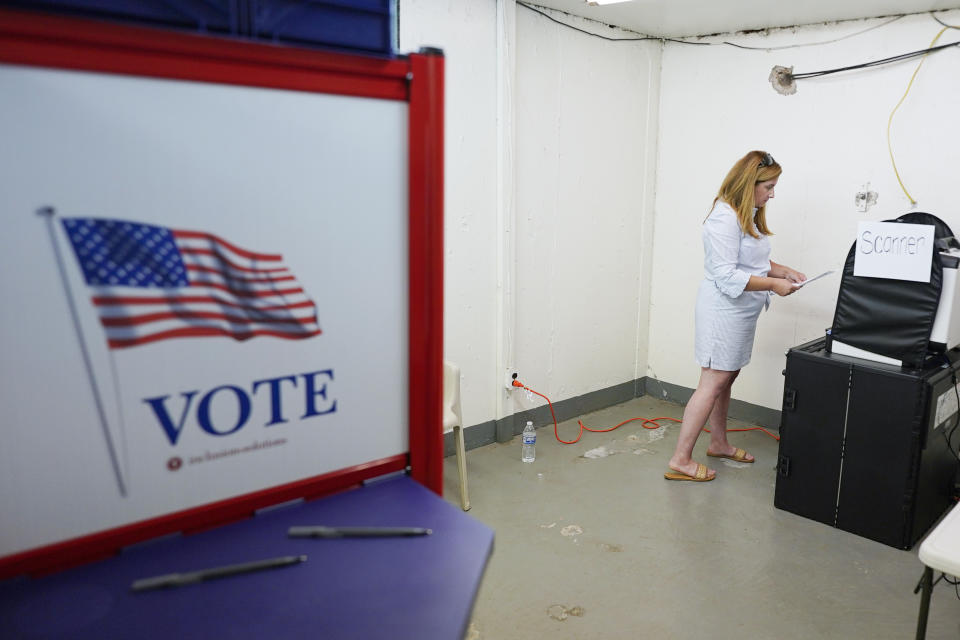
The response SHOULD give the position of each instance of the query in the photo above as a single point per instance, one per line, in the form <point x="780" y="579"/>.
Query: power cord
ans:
<point x="933" y="583"/>
<point x="955" y="582"/>
<point x="787" y="78"/>
<point x="942" y="22"/>
<point x="645" y="424"/>
<point x="793" y="76"/>
<point x="597" y="35"/>
<point x="890" y="119"/>
<point x="538" y="9"/>
<point x="874" y="63"/>
<point x="949" y="436"/>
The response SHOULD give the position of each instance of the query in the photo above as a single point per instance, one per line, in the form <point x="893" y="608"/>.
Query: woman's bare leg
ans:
<point x="718" y="423"/>
<point x="700" y="406"/>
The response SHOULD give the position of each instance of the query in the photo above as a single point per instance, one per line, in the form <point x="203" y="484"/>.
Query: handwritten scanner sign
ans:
<point x="894" y="250"/>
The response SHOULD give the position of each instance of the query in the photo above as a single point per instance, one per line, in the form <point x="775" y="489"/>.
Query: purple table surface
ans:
<point x="411" y="587"/>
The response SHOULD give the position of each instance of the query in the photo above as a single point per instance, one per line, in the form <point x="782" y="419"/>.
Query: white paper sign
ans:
<point x="894" y="250"/>
<point x="946" y="406"/>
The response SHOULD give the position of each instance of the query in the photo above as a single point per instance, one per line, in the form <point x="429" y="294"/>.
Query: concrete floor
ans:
<point x="604" y="547"/>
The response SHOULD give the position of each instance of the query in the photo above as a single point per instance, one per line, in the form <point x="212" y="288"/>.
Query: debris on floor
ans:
<point x="629" y="446"/>
<point x="560" y="612"/>
<point x="656" y="434"/>
<point x="598" y="452"/>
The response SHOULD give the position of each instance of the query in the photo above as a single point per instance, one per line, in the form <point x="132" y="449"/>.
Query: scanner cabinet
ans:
<point x="863" y="445"/>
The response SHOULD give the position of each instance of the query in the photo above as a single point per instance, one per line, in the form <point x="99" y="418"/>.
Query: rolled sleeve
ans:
<point x="721" y="246"/>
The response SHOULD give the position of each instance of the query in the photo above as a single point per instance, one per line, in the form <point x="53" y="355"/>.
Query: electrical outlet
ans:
<point x="865" y="198"/>
<point x="509" y="378"/>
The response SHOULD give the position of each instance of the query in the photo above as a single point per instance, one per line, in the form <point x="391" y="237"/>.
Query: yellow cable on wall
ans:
<point x="890" y="120"/>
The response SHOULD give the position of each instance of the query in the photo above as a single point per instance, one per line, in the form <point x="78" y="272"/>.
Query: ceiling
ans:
<point x="680" y="18"/>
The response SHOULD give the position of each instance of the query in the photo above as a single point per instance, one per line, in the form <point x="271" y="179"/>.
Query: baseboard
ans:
<point x="566" y="409"/>
<point x="504" y="429"/>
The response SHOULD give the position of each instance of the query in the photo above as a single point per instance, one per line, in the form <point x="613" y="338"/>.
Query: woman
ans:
<point x="738" y="274"/>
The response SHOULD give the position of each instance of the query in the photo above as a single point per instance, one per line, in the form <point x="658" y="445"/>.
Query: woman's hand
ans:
<point x="778" y="284"/>
<point x="782" y="286"/>
<point x="793" y="275"/>
<point x="783" y="271"/>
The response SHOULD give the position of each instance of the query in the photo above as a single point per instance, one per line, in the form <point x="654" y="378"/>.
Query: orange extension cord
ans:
<point x="646" y="421"/>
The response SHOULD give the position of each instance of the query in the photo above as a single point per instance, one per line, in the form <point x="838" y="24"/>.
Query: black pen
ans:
<point x="192" y="577"/>
<point x="356" y="532"/>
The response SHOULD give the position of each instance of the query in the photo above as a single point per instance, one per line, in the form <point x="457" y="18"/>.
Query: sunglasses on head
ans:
<point x="767" y="160"/>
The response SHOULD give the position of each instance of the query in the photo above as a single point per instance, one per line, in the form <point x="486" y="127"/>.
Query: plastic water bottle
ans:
<point x="529" y="451"/>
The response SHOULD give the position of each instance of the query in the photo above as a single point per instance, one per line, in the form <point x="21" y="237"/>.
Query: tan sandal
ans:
<point x="699" y="476"/>
<point x="739" y="455"/>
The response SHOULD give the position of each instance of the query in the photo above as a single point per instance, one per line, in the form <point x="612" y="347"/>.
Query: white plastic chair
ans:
<point x="453" y="421"/>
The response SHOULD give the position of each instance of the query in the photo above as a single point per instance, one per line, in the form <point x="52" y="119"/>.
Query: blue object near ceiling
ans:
<point x="358" y="26"/>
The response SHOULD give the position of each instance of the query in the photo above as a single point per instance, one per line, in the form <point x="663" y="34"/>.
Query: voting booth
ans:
<point x="222" y="318"/>
<point x="867" y="409"/>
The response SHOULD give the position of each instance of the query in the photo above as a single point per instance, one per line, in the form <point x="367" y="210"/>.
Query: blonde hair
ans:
<point x="739" y="186"/>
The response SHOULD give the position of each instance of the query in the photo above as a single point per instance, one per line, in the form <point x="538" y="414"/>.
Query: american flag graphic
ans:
<point x="153" y="283"/>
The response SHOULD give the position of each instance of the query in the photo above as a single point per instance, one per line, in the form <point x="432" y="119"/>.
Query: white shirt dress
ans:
<point x="726" y="315"/>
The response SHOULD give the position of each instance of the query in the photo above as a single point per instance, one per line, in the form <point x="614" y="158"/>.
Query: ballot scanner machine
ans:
<point x="868" y="408"/>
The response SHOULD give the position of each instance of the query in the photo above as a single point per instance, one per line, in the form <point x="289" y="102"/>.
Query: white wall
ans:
<point x="582" y="275"/>
<point x="466" y="31"/>
<point x="830" y="138"/>
<point x="549" y="276"/>
<point x="586" y="135"/>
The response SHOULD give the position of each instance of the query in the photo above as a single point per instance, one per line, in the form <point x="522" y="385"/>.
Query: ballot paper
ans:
<point x="809" y="280"/>
<point x="796" y="285"/>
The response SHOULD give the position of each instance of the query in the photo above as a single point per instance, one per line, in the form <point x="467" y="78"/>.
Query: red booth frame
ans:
<point x="88" y="45"/>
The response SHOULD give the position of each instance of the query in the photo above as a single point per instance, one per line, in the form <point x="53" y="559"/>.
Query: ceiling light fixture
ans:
<point x="594" y="3"/>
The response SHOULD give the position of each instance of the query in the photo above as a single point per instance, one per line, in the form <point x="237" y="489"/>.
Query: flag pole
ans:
<point x="48" y="213"/>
